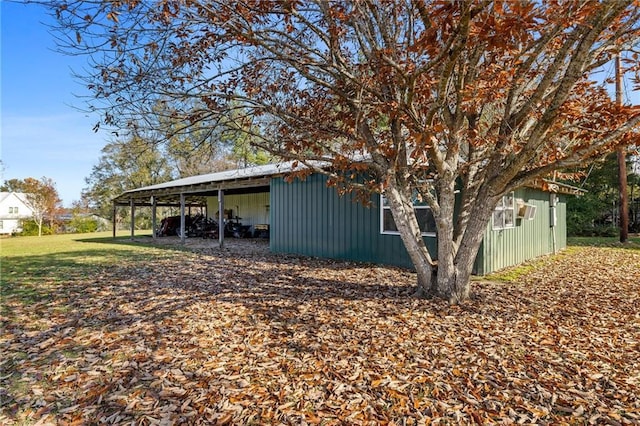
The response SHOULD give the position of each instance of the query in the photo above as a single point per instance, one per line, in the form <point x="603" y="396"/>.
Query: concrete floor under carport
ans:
<point x="232" y="246"/>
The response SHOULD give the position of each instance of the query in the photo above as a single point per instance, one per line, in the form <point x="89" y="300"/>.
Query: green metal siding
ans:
<point x="309" y="218"/>
<point x="528" y="239"/>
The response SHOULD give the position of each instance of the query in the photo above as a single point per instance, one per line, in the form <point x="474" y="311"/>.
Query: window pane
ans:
<point x="388" y="224"/>
<point x="424" y="217"/>
<point x="509" y="219"/>
<point x="418" y="201"/>
<point x="425" y="220"/>
<point x="504" y="215"/>
<point x="508" y="200"/>
<point x="498" y="219"/>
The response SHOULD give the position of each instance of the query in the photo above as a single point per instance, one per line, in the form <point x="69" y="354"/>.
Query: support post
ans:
<point x="182" y="219"/>
<point x="553" y="202"/>
<point x="221" y="217"/>
<point x="133" y="217"/>
<point x="153" y="217"/>
<point x="113" y="219"/>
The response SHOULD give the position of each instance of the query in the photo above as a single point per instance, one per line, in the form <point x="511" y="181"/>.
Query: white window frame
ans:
<point x="384" y="206"/>
<point x="507" y="209"/>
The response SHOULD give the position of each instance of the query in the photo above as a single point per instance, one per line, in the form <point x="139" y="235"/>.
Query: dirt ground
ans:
<point x="249" y="246"/>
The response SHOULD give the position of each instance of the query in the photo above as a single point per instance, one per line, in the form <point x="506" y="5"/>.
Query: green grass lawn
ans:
<point x="32" y="268"/>
<point x="48" y="244"/>
<point x="633" y="243"/>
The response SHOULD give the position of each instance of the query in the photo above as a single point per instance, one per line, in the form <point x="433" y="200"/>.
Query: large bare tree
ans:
<point x="454" y="103"/>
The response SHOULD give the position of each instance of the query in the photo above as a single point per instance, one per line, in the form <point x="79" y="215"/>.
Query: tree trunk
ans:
<point x="446" y="286"/>
<point x="454" y="284"/>
<point x="447" y="278"/>
<point x="405" y="219"/>
<point x="454" y="281"/>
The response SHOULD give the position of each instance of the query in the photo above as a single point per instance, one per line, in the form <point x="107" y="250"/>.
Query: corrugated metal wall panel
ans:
<point x="529" y="239"/>
<point x="253" y="209"/>
<point x="310" y="219"/>
<point x="331" y="226"/>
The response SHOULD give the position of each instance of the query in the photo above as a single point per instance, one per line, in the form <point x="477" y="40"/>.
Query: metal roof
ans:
<point x="196" y="187"/>
<point x="242" y="180"/>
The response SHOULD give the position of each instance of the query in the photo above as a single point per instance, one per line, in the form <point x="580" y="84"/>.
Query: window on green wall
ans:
<point x="423" y="214"/>
<point x="504" y="215"/>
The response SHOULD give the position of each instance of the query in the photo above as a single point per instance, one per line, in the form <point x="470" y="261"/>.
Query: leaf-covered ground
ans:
<point x="200" y="338"/>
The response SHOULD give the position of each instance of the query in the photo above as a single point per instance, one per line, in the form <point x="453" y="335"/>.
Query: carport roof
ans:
<point x="198" y="186"/>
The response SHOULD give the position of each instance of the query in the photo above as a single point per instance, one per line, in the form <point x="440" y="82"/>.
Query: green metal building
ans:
<point x="309" y="218"/>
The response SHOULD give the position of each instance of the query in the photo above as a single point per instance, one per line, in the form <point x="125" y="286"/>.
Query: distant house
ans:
<point x="13" y="209"/>
<point x="308" y="218"/>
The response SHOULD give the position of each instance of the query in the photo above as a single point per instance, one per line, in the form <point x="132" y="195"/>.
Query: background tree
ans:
<point x="451" y="103"/>
<point x="12" y="185"/>
<point x="135" y="161"/>
<point x="123" y="165"/>
<point x="596" y="212"/>
<point x="41" y="196"/>
<point x="192" y="148"/>
<point x="593" y="212"/>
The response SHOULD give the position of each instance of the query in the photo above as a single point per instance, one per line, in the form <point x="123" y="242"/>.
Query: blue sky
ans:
<point x="43" y="133"/>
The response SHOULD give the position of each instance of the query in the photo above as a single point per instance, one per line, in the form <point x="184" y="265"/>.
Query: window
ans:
<point x="504" y="215"/>
<point x="423" y="214"/>
<point x="1" y="224"/>
<point x="13" y="210"/>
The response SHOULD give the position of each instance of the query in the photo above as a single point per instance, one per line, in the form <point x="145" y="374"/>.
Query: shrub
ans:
<point x="30" y="227"/>
<point x="83" y="225"/>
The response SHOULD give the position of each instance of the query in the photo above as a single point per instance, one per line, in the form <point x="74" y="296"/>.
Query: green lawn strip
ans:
<point x="36" y="269"/>
<point x="514" y="273"/>
<point x="633" y="242"/>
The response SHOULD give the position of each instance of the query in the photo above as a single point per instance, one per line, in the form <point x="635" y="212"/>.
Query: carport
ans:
<point x="196" y="191"/>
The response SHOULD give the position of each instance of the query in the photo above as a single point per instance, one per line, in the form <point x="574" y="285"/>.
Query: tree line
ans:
<point x="595" y="213"/>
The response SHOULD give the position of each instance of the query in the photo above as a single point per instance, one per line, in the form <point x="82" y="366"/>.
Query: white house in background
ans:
<point x="13" y="208"/>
